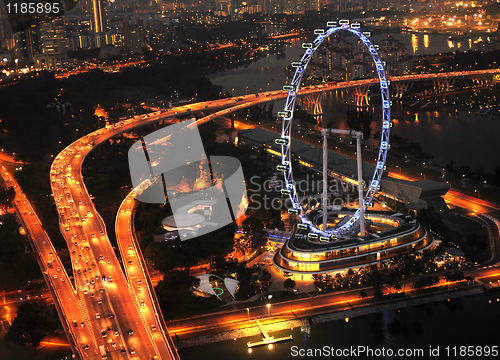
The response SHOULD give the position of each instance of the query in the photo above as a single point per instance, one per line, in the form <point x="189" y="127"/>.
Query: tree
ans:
<point x="16" y="265"/>
<point x="363" y="294"/>
<point x="416" y="268"/>
<point x="6" y="197"/>
<point x="376" y="280"/>
<point x="289" y="284"/>
<point x="243" y="244"/>
<point x="265" y="281"/>
<point x="31" y="325"/>
<point x="253" y="227"/>
<point x="394" y="279"/>
<point x="175" y="296"/>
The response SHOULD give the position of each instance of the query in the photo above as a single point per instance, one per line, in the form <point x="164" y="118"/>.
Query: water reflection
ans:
<point x="414" y="43"/>
<point x="388" y="339"/>
<point x="426" y="41"/>
<point x="422" y="125"/>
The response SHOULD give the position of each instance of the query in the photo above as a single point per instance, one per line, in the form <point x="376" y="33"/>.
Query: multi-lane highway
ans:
<point x="111" y="302"/>
<point x="58" y="282"/>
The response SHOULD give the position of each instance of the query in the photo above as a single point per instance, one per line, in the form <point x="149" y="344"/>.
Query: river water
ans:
<point x="469" y="321"/>
<point x="465" y="139"/>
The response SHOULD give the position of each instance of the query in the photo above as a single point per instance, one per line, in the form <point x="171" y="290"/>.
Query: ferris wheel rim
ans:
<point x="287" y="114"/>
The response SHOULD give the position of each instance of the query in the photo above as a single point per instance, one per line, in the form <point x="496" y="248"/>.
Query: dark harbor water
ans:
<point x="468" y="321"/>
<point x="465" y="139"/>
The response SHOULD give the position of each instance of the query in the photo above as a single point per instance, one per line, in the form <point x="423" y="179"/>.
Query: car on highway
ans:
<point x="153" y="328"/>
<point x="130" y="332"/>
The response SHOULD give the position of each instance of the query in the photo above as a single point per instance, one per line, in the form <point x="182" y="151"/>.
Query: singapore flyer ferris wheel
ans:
<point x="347" y="227"/>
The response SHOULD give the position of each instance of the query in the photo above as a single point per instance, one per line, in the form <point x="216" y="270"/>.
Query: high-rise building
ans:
<point x="271" y="7"/>
<point x="126" y="35"/>
<point x="134" y="36"/>
<point x="6" y="36"/>
<point x="26" y="43"/>
<point x="222" y="7"/>
<point x="99" y="16"/>
<point x="53" y="37"/>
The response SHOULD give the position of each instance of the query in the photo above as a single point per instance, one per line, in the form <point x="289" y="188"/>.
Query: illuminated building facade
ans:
<point x="99" y="16"/>
<point x="302" y="257"/>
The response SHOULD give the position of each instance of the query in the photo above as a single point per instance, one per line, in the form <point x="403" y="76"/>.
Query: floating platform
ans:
<point x="267" y="340"/>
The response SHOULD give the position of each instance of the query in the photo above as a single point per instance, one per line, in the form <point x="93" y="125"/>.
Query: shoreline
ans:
<point x="253" y="330"/>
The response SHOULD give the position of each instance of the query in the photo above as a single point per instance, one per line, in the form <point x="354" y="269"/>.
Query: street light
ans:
<point x="232" y="92"/>
<point x="268" y="306"/>
<point x="248" y="313"/>
<point x="246" y="91"/>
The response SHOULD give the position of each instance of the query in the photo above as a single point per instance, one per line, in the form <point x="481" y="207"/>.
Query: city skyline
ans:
<point x="389" y="203"/>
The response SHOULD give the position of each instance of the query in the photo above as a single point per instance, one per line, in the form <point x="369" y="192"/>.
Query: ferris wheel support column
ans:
<point x="325" y="177"/>
<point x="359" y="137"/>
